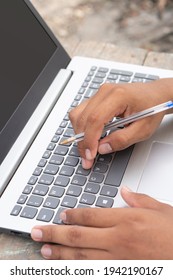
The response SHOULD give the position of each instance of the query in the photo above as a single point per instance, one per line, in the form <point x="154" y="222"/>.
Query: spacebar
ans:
<point x="118" y="167"/>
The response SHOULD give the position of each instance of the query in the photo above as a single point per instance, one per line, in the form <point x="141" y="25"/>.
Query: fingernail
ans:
<point x="46" y="251"/>
<point x="126" y="189"/>
<point x="36" y="234"/>
<point x="105" y="148"/>
<point x="88" y="154"/>
<point x="63" y="216"/>
<point x="86" y="164"/>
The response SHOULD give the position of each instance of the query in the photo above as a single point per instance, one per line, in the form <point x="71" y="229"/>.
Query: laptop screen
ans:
<point x="20" y="50"/>
<point x="25" y="50"/>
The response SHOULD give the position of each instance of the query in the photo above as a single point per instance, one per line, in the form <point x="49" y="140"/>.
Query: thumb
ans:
<point x="139" y="200"/>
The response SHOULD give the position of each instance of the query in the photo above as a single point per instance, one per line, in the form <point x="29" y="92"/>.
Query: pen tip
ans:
<point x="67" y="141"/>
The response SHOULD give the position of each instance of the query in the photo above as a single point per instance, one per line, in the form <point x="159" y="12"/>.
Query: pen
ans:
<point x="123" y="121"/>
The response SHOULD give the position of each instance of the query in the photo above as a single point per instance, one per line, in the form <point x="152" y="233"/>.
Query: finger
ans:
<point x="87" y="164"/>
<point x="73" y="236"/>
<point x="99" y="111"/>
<point x="59" y="252"/>
<point x="140" y="200"/>
<point x="75" y="113"/>
<point x="134" y="133"/>
<point x="93" y="217"/>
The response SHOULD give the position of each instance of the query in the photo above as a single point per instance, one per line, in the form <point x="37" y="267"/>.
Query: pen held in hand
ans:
<point x="120" y="122"/>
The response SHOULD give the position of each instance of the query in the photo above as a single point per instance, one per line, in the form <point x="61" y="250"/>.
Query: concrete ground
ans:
<point x="134" y="23"/>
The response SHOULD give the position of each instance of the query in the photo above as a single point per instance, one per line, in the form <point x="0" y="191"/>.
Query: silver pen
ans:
<point x="123" y="121"/>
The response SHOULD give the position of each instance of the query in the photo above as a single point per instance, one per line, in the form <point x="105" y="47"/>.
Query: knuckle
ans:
<point x="93" y="117"/>
<point x="106" y="87"/>
<point x="79" y="254"/>
<point x="121" y="142"/>
<point x="88" y="215"/>
<point x="72" y="115"/>
<point x="74" y="235"/>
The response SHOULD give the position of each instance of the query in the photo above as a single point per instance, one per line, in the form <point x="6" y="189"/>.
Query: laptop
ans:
<point x="40" y="83"/>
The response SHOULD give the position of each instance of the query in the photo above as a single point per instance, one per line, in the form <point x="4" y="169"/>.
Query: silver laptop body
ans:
<point x="39" y="177"/>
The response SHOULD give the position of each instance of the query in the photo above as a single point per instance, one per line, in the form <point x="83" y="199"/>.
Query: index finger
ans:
<point x="99" y="111"/>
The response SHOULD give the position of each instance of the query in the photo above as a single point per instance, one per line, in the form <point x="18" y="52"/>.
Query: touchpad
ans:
<point x="157" y="177"/>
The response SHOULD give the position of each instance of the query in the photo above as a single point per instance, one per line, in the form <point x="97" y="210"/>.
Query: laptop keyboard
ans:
<point x="59" y="181"/>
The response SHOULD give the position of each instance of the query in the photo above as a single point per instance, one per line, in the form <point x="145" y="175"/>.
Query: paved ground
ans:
<point x="124" y="22"/>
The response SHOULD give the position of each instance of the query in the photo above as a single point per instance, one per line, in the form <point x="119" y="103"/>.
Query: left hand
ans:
<point x="142" y="231"/>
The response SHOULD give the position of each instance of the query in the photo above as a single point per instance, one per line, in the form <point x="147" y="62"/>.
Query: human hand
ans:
<point x="117" y="100"/>
<point x="143" y="231"/>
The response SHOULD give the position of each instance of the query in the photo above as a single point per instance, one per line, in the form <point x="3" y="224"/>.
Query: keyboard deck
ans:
<point x="59" y="181"/>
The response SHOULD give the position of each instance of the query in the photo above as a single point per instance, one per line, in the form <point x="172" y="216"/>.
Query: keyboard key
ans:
<point x="78" y="180"/>
<point x="81" y="171"/>
<point x="41" y="190"/>
<point x="63" y="124"/>
<point x="78" y="97"/>
<point x="121" y="72"/>
<point x="103" y="69"/>
<point x="100" y="168"/>
<point x="109" y="191"/>
<point x="137" y="80"/>
<point x="51" y="169"/>
<point x="22" y="199"/>
<point x="37" y="171"/>
<point x="96" y="177"/>
<point x="100" y="75"/>
<point x="55" y="159"/>
<point x="56" y="191"/>
<point x="62" y="181"/>
<point x="92" y="188"/>
<point x="69" y="201"/>
<point x="83" y="206"/>
<point x="55" y="139"/>
<point x="98" y="80"/>
<point x="94" y="86"/>
<point x="74" y="152"/>
<point x="29" y="212"/>
<point x="16" y="210"/>
<point x="113" y="77"/>
<point x="32" y="180"/>
<point x="42" y="162"/>
<point x="35" y="201"/>
<point x="104" y="202"/>
<point x="74" y="190"/>
<point x="51" y="146"/>
<point x="51" y="202"/>
<point x="67" y="171"/>
<point x="59" y="131"/>
<point x="74" y="103"/>
<point x="152" y="77"/>
<point x="27" y="189"/>
<point x="62" y="140"/>
<point x="118" y="167"/>
<point x="71" y="161"/>
<point x="81" y="91"/>
<point x="125" y="79"/>
<point x="87" y="199"/>
<point x="90" y="92"/>
<point x="61" y="150"/>
<point x="46" y="180"/>
<point x="45" y="215"/>
<point x="57" y="219"/>
<point x="68" y="133"/>
<point x="105" y="158"/>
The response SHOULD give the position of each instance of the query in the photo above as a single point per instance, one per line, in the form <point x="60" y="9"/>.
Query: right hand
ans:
<point x="118" y="100"/>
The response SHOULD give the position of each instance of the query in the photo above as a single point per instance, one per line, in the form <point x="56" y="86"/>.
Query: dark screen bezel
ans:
<point x="59" y="59"/>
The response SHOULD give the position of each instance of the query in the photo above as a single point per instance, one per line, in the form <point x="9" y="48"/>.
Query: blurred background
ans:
<point x="137" y="23"/>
